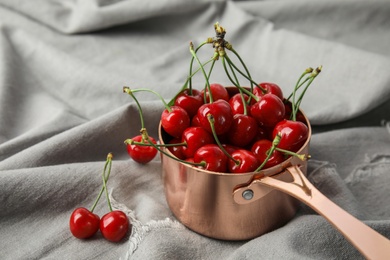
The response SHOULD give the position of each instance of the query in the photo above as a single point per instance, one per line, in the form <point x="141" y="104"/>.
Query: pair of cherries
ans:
<point x="245" y="129"/>
<point x="83" y="223"/>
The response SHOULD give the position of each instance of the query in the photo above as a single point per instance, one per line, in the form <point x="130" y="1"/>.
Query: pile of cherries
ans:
<point x="231" y="130"/>
<point x="83" y="223"/>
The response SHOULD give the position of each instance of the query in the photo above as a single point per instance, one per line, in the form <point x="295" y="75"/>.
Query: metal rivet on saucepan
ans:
<point x="247" y="194"/>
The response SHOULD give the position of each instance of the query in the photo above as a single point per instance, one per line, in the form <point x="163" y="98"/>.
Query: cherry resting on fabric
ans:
<point x="83" y="223"/>
<point x="114" y="225"/>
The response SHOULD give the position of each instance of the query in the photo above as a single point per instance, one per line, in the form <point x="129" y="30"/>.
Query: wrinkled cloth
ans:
<point x="62" y="110"/>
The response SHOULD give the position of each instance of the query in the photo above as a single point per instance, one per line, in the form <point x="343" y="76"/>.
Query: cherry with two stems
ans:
<point x="83" y="223"/>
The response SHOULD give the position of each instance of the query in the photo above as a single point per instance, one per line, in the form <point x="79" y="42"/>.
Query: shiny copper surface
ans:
<point x="203" y="200"/>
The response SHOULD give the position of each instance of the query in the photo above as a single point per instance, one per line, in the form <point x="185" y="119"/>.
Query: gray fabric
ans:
<point x="62" y="68"/>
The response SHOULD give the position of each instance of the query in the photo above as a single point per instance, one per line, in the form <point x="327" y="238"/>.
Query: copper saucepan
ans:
<point x="243" y="206"/>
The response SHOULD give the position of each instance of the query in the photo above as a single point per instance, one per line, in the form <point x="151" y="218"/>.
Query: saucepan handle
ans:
<point x="369" y="242"/>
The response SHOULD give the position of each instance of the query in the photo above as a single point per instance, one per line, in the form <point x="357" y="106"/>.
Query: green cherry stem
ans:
<point x="244" y="75"/>
<point x="299" y="83"/>
<point x="312" y="77"/>
<point x="204" y="72"/>
<point x="105" y="179"/>
<point x="130" y="92"/>
<point x="249" y="93"/>
<point x="191" y="64"/>
<point x="108" y="163"/>
<point x="211" y="119"/>
<point x="131" y="142"/>
<point x="242" y="63"/>
<point x="275" y="142"/>
<point x="185" y="85"/>
<point x="302" y="157"/>
<point x="153" y="92"/>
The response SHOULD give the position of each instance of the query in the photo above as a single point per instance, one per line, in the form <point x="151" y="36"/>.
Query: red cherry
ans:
<point x="114" y="225"/>
<point x="237" y="105"/>
<point x="270" y="88"/>
<point x="190" y="102"/>
<point x="176" y="150"/>
<point x="293" y="134"/>
<point x="230" y="148"/>
<point x="139" y="153"/>
<point x="243" y="130"/>
<point x="260" y="149"/>
<point x="247" y="162"/>
<point x="195" y="137"/>
<point x="175" y="121"/>
<point x="263" y="133"/>
<point x="268" y="111"/>
<point x="222" y="113"/>
<point x="83" y="223"/>
<point x="213" y="156"/>
<point x="217" y="91"/>
<point x="195" y="121"/>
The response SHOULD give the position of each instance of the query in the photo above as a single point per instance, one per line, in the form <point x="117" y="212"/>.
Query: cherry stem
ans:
<point x="208" y="76"/>
<point x="109" y="157"/>
<point x="211" y="119"/>
<point x="129" y="91"/>
<point x="204" y="72"/>
<point x="145" y="136"/>
<point x="191" y="64"/>
<point x="185" y="85"/>
<point x="244" y="75"/>
<point x="311" y="79"/>
<point x="275" y="142"/>
<point x="131" y="142"/>
<point x="299" y="83"/>
<point x="167" y="107"/>
<point x="302" y="157"/>
<point x="243" y="64"/>
<point x="249" y="93"/>
<point x="105" y="179"/>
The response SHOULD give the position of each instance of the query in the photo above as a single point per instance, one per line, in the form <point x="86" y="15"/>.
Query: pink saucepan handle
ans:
<point x="370" y="243"/>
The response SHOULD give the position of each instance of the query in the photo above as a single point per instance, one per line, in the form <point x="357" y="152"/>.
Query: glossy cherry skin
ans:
<point x="175" y="121"/>
<point x="190" y="102"/>
<point x="269" y="88"/>
<point x="222" y="113"/>
<point x="195" y="121"/>
<point x="195" y="137"/>
<point x="247" y="162"/>
<point x="217" y="91"/>
<point x="213" y="156"/>
<point x="176" y="150"/>
<point x="114" y="225"/>
<point x="139" y="153"/>
<point x="268" y="111"/>
<point x="293" y="134"/>
<point x="243" y="130"/>
<point x="83" y="223"/>
<point x="237" y="105"/>
<point x="260" y="149"/>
